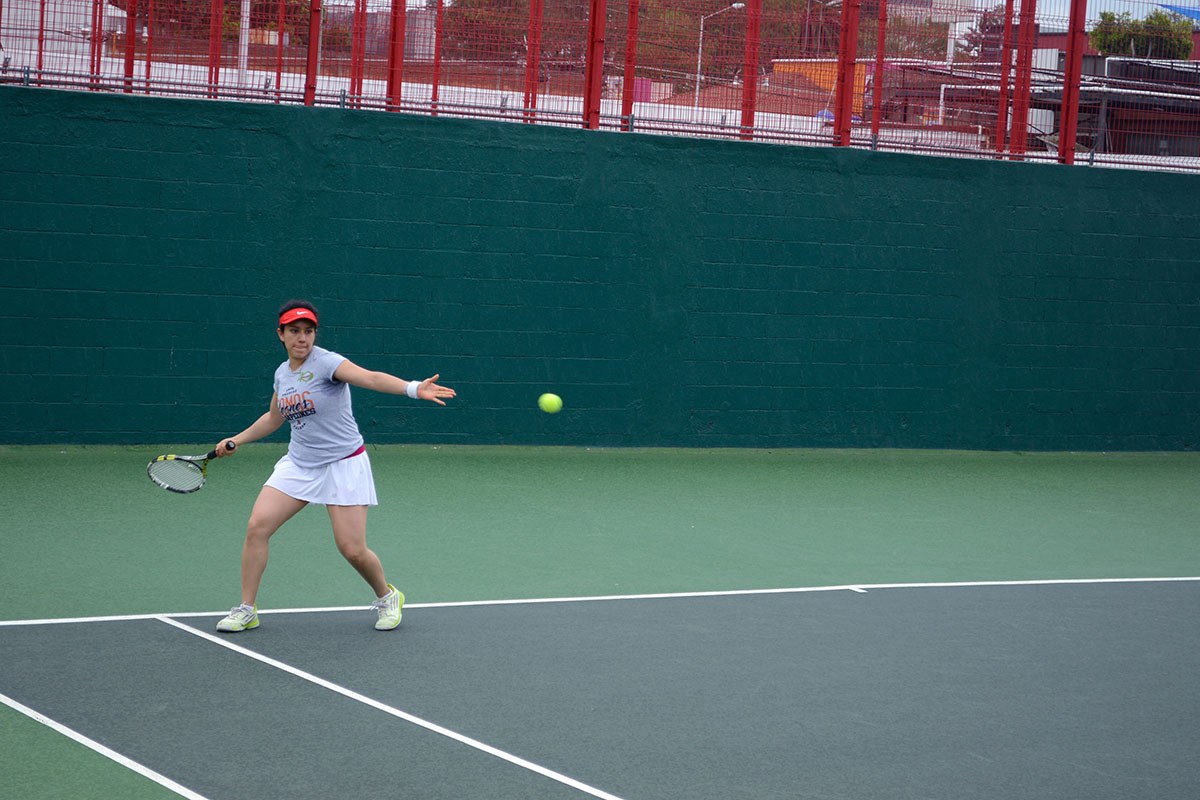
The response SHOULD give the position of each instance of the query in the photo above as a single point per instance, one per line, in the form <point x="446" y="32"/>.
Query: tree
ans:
<point x="904" y="38"/>
<point x="668" y="34"/>
<point x="801" y="28"/>
<point x="499" y="29"/>
<point x="982" y="42"/>
<point x="488" y="29"/>
<point x="193" y="18"/>
<point x="1159" y="35"/>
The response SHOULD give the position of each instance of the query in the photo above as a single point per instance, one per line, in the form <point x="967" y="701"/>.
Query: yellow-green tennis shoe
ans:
<point x="389" y="607"/>
<point x="240" y="618"/>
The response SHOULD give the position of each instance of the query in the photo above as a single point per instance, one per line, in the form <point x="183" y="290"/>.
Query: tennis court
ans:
<point x="634" y="623"/>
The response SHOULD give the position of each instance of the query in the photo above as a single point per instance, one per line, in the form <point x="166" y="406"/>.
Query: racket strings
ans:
<point x="178" y="475"/>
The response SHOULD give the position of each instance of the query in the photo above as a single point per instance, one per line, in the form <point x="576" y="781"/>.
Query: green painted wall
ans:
<point x="673" y="291"/>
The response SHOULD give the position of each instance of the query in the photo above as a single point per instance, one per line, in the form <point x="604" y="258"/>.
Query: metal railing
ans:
<point x="929" y="76"/>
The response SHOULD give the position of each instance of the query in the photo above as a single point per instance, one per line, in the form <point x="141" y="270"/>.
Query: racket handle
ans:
<point x="230" y="446"/>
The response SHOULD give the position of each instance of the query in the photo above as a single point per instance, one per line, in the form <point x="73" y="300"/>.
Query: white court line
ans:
<point x="395" y="712"/>
<point x="124" y="761"/>
<point x="860" y="588"/>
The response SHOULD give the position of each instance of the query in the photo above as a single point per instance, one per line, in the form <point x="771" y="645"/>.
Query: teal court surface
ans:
<point x="612" y="623"/>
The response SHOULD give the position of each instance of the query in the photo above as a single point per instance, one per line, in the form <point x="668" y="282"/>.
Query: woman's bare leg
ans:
<point x="271" y="510"/>
<point x="350" y="535"/>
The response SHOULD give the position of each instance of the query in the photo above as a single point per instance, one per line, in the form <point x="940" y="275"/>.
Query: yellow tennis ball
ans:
<point x="550" y="403"/>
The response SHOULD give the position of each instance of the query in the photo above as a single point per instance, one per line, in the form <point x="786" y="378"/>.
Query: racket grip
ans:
<point x="230" y="446"/>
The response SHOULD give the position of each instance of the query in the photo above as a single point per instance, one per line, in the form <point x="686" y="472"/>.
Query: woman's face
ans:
<point x="298" y="338"/>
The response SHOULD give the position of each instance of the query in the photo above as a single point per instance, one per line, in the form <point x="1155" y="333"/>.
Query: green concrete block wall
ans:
<point x="674" y="291"/>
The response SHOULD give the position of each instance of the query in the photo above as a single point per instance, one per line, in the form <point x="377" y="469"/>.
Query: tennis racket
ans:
<point x="182" y="474"/>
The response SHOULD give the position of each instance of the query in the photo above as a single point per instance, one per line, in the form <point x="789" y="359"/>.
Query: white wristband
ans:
<point x="411" y="389"/>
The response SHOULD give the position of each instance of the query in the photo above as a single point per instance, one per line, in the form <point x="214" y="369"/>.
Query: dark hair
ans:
<point x="290" y="304"/>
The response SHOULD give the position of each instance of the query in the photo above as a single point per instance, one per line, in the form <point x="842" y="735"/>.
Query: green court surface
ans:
<point x="88" y="535"/>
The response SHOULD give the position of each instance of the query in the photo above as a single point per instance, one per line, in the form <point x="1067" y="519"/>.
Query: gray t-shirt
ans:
<point x="318" y="406"/>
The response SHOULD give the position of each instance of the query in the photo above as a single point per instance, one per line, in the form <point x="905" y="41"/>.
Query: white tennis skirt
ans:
<point x="348" y="482"/>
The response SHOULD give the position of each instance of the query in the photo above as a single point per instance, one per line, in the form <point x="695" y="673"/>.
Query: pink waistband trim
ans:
<point x="362" y="448"/>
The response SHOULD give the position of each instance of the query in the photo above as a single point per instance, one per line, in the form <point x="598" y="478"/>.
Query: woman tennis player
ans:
<point x="326" y="462"/>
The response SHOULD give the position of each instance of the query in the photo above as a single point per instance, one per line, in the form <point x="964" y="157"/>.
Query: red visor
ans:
<point x="295" y="314"/>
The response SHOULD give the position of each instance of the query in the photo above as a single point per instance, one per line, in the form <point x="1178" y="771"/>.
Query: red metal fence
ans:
<point x="1113" y="83"/>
